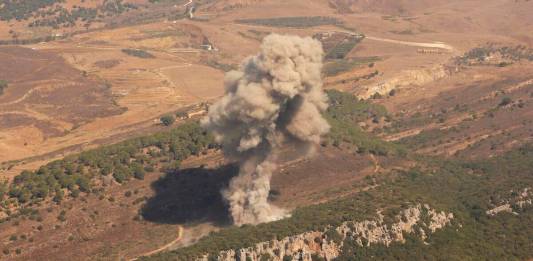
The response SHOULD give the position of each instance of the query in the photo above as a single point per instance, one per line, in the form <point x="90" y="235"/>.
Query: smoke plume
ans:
<point x="275" y="99"/>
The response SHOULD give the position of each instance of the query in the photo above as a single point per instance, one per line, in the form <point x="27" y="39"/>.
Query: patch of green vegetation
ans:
<point x="47" y="13"/>
<point x="296" y="21"/>
<point x="153" y="34"/>
<point x="403" y="32"/>
<point x="505" y="101"/>
<point x="168" y="120"/>
<point x="406" y="122"/>
<point x="3" y="86"/>
<point x="220" y="66"/>
<point x="344" y="114"/>
<point x="391" y="18"/>
<point x="316" y="217"/>
<point x="138" y="53"/>
<point x="343" y="48"/>
<point x="122" y="161"/>
<point x="509" y="53"/>
<point x="336" y="67"/>
<point x="465" y="189"/>
<point x="61" y="17"/>
<point x="22" y="10"/>
<point x="48" y="38"/>
<point x="423" y="138"/>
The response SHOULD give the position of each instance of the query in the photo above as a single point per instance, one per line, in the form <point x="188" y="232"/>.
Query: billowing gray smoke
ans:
<point x="275" y="99"/>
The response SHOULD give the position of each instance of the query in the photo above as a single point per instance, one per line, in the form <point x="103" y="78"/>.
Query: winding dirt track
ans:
<point x="163" y="248"/>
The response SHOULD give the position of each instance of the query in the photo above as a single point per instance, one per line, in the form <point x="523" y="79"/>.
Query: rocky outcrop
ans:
<point x="523" y="199"/>
<point x="406" y="78"/>
<point x="420" y="220"/>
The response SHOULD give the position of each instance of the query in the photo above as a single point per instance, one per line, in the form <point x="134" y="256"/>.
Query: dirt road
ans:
<point x="163" y="248"/>
<point x="438" y="45"/>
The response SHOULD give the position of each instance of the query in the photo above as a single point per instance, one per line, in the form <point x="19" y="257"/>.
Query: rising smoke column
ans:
<point x="274" y="99"/>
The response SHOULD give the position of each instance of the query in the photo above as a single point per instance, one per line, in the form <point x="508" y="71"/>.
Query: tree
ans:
<point x="84" y="184"/>
<point x="3" y="85"/>
<point x="168" y="120"/>
<point x="138" y="171"/>
<point x="505" y="101"/>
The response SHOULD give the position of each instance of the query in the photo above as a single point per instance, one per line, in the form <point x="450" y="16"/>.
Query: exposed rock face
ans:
<point x="406" y="78"/>
<point x="523" y="199"/>
<point x="328" y="243"/>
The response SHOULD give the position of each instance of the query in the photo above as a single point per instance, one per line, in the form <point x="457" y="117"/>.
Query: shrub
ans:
<point x="3" y="85"/>
<point x="138" y="53"/>
<point x="505" y="101"/>
<point x="62" y="216"/>
<point x="138" y="172"/>
<point x="168" y="120"/>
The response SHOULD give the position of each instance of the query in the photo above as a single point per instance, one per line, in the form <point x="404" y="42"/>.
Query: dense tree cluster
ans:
<point x="51" y="13"/>
<point x="23" y="9"/>
<point x="343" y="48"/>
<point x="507" y="53"/>
<point x="61" y="17"/>
<point x="18" y="41"/>
<point x="344" y="114"/>
<point x="122" y="161"/>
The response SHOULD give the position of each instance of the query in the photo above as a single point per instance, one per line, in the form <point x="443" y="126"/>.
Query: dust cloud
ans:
<point x="274" y="100"/>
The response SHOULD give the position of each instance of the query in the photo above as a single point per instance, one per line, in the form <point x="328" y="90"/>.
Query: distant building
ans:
<point x="193" y="111"/>
<point x="207" y="45"/>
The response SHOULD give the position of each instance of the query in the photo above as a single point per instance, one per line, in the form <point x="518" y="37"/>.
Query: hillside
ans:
<point x="105" y="153"/>
<point x="464" y="193"/>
